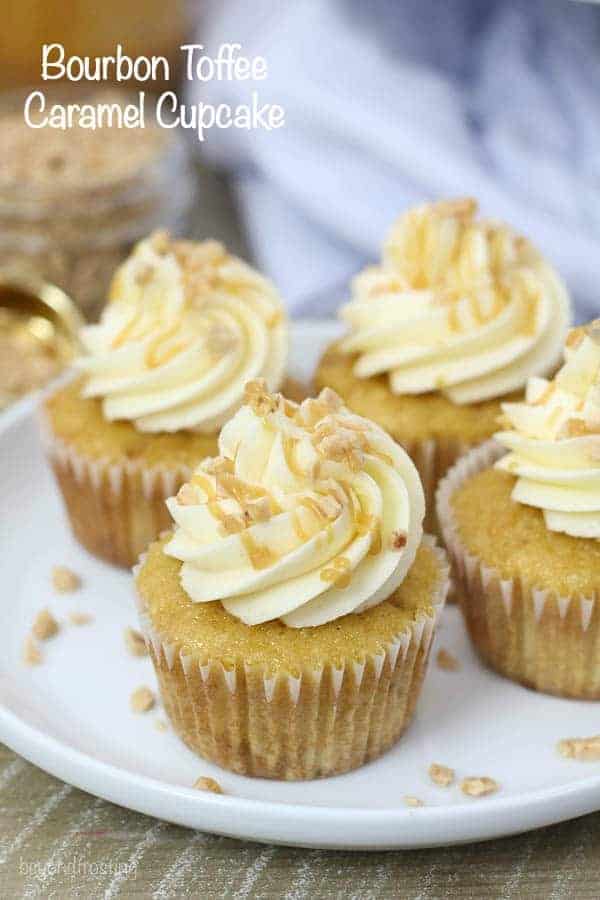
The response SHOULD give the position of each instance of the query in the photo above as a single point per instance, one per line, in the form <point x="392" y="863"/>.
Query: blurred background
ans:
<point x="388" y="103"/>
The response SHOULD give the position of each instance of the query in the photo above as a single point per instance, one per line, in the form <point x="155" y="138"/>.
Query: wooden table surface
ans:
<point x="58" y="842"/>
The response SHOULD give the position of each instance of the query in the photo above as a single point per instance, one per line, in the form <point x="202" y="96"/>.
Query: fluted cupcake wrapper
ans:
<point x="432" y="458"/>
<point x="535" y="636"/>
<point x="115" y="509"/>
<point x="309" y="724"/>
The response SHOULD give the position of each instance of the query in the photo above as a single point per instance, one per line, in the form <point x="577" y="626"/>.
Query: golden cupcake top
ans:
<point x="186" y="326"/>
<point x="457" y="304"/>
<point x="309" y="513"/>
<point x="554" y="439"/>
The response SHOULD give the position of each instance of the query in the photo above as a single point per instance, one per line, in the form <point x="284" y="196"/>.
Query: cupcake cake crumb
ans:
<point x="31" y="652"/>
<point x="480" y="786"/>
<point x="447" y="661"/>
<point x="64" y="580"/>
<point x="586" y="749"/>
<point x="443" y="776"/>
<point x="161" y="725"/>
<point x="208" y="784"/>
<point x="44" y="625"/>
<point x="135" y="643"/>
<point x="80" y="618"/>
<point x="142" y="700"/>
<point x="409" y="800"/>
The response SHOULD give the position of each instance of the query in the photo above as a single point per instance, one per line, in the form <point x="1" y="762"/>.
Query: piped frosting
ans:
<point x="458" y="304"/>
<point x="309" y="513"/>
<point x="186" y="327"/>
<point x="554" y="440"/>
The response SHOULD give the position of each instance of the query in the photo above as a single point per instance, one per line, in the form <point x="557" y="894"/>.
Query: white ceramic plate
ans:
<point x="71" y="715"/>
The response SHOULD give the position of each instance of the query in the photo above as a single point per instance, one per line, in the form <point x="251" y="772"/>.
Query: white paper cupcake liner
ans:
<point x="115" y="509"/>
<point x="320" y="722"/>
<point x="432" y="459"/>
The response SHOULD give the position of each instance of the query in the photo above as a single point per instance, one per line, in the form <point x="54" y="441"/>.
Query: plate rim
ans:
<point x="471" y="820"/>
<point x="285" y="823"/>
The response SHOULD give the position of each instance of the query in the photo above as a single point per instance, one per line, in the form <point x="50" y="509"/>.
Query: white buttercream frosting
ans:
<point x="457" y="304"/>
<point x="186" y="327"/>
<point x="554" y="439"/>
<point x="309" y="513"/>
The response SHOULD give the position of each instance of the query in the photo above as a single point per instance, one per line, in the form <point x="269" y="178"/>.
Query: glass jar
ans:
<point x="39" y="327"/>
<point x="73" y="202"/>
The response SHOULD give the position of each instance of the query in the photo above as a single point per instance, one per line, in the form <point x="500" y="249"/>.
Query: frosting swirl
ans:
<point x="309" y="513"/>
<point x="555" y="440"/>
<point x="460" y="305"/>
<point x="186" y="327"/>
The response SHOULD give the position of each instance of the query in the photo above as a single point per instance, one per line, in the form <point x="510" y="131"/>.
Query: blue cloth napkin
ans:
<point x="389" y="104"/>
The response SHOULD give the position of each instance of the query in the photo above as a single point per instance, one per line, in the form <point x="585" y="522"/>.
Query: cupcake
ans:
<point x="186" y="326"/>
<point x="290" y="612"/>
<point x="458" y="314"/>
<point x="523" y="531"/>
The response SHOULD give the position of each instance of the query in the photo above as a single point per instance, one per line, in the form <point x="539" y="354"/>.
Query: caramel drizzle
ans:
<point x="476" y="311"/>
<point x="219" y="464"/>
<point x="554" y="417"/>
<point x="241" y="491"/>
<point x="127" y="332"/>
<point x="213" y="504"/>
<point x="481" y="318"/>
<point x="301" y="534"/>
<point x="274" y="318"/>
<point x="579" y="428"/>
<point x="350" y="425"/>
<point x="453" y="319"/>
<point x="478" y="314"/>
<point x="364" y="523"/>
<point x="545" y="395"/>
<point x="153" y="357"/>
<point x="289" y="408"/>
<point x="376" y="540"/>
<point x="202" y="481"/>
<point x="363" y="443"/>
<point x="339" y="572"/>
<point x="374" y="451"/>
<point x="528" y="326"/>
<point x="575" y="336"/>
<point x="388" y="286"/>
<point x="311" y="504"/>
<point x="289" y="452"/>
<point x="260" y="556"/>
<point x="236" y="490"/>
